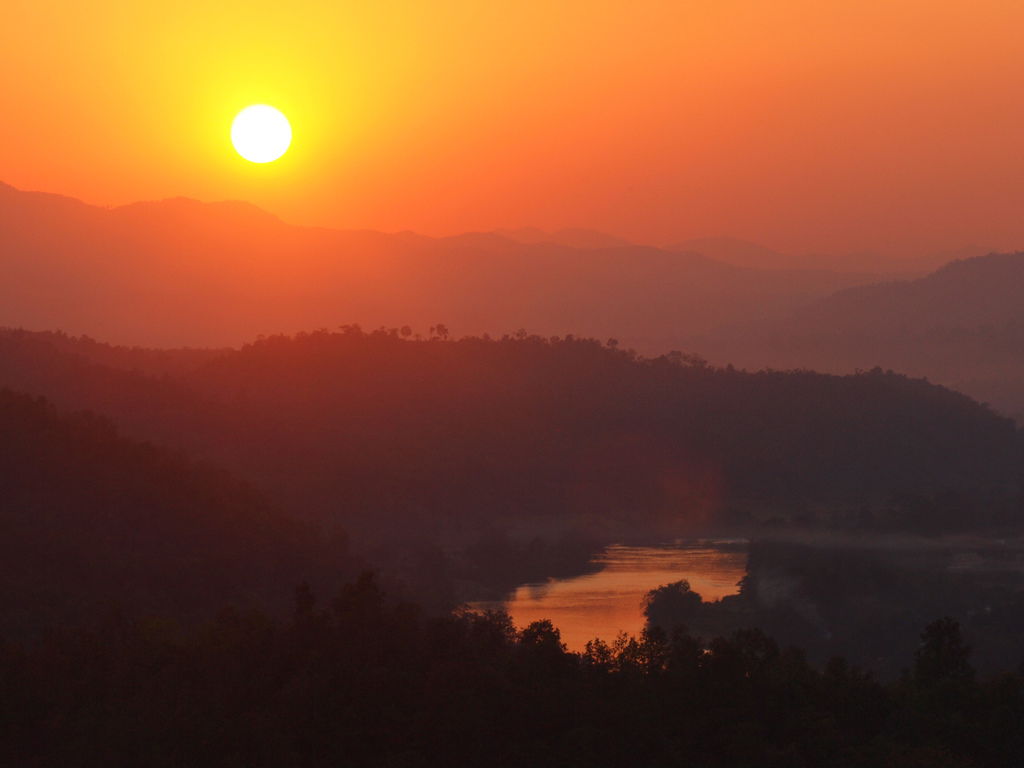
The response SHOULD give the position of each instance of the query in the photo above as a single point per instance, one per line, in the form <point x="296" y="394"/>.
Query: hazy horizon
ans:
<point x="720" y="246"/>
<point x="808" y="127"/>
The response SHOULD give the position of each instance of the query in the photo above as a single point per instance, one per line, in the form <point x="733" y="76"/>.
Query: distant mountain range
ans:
<point x="746" y="254"/>
<point x="184" y="273"/>
<point x="962" y="326"/>
<point x="573" y="238"/>
<point x="181" y="272"/>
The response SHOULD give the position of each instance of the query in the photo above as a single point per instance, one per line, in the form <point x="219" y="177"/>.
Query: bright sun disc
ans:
<point x="261" y="133"/>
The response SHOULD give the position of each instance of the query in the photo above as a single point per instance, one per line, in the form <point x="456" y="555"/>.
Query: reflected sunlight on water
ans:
<point x="610" y="601"/>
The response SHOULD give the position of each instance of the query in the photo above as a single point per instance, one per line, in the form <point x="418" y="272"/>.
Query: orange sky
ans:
<point x="805" y="125"/>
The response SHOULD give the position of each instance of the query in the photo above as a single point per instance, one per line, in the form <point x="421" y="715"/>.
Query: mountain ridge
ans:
<point x="961" y="325"/>
<point x="186" y="273"/>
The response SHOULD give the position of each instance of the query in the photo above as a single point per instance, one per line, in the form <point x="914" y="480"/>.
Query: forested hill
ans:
<point x="93" y="522"/>
<point x="153" y="362"/>
<point x="388" y="433"/>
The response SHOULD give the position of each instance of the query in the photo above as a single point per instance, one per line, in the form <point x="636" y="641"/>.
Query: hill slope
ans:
<point x="92" y="521"/>
<point x="398" y="438"/>
<point x="962" y="326"/>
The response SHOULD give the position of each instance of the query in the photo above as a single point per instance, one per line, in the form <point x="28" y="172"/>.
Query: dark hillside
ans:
<point x="92" y="521"/>
<point x="367" y="428"/>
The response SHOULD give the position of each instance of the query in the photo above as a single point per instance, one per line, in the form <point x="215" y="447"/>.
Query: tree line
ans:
<point x="370" y="680"/>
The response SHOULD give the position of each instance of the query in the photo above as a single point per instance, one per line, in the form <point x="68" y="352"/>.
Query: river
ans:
<point x="611" y="600"/>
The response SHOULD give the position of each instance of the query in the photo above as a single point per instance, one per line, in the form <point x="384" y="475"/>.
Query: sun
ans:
<point x="261" y="133"/>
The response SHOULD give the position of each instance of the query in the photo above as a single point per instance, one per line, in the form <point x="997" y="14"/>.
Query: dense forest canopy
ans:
<point x="865" y="597"/>
<point x="93" y="522"/>
<point x="365" y="680"/>
<point x="463" y="467"/>
<point x="349" y="424"/>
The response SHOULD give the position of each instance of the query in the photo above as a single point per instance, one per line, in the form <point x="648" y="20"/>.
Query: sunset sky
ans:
<point x="804" y="125"/>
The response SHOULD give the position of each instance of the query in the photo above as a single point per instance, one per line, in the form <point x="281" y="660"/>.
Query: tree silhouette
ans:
<point x="942" y="655"/>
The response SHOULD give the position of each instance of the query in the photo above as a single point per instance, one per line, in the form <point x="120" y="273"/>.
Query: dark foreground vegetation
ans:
<point x="371" y="681"/>
<point x="866" y="598"/>
<point x="91" y="520"/>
